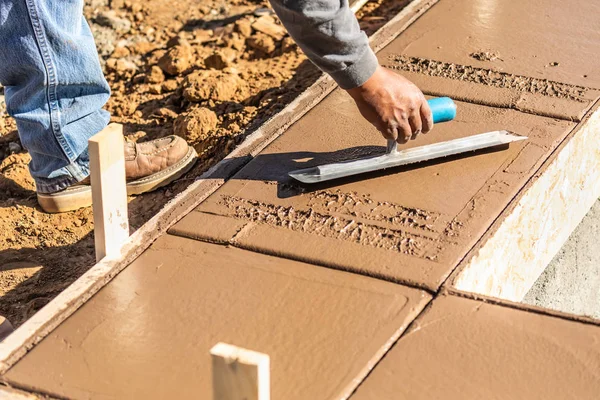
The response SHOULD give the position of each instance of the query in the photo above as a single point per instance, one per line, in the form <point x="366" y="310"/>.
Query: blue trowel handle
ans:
<point x="442" y="108"/>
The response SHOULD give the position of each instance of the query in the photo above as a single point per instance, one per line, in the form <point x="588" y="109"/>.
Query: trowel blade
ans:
<point x="328" y="172"/>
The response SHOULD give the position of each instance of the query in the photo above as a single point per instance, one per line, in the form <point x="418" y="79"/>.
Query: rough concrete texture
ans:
<point x="466" y="349"/>
<point x="571" y="282"/>
<point x="148" y="333"/>
<point x="410" y="225"/>
<point x="507" y="54"/>
<point x="540" y="39"/>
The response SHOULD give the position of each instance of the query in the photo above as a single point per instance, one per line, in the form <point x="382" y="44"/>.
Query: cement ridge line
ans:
<point x="371" y="275"/>
<point x="32" y="331"/>
<point x="445" y="291"/>
<point x="403" y="62"/>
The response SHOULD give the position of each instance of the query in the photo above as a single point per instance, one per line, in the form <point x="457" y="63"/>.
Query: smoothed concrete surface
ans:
<point x="466" y="349"/>
<point x="147" y="334"/>
<point x="571" y="282"/>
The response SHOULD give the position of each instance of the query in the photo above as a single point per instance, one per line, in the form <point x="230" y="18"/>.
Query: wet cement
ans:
<point x="571" y="282"/>
<point x="324" y="329"/>
<point x="409" y="225"/>
<point x="544" y="39"/>
<point x="506" y="54"/>
<point x="148" y="333"/>
<point x="466" y="349"/>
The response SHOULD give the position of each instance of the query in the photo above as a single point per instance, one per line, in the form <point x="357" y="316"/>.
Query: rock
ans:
<point x="196" y="125"/>
<point x="203" y="36"/>
<point x="166" y="112"/>
<point x="221" y="58"/>
<point x="288" y="44"/>
<point x="262" y="42"/>
<point x="121" y="67"/>
<point x="170" y="86"/>
<point x="156" y="75"/>
<point x="111" y="20"/>
<point x="266" y="24"/>
<point x="235" y="41"/>
<point x="120" y="52"/>
<point x="243" y="27"/>
<point x="155" y="89"/>
<point x="214" y="85"/>
<point x="176" y="60"/>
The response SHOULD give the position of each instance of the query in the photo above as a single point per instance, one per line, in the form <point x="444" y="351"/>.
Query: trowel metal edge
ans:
<point x="409" y="156"/>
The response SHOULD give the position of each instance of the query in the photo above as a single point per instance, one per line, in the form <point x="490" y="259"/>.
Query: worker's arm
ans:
<point x="329" y="34"/>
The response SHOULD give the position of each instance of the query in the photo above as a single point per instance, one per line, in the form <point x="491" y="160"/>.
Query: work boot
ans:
<point x="148" y="166"/>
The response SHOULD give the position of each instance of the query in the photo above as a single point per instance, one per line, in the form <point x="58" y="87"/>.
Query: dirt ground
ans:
<point x="209" y="71"/>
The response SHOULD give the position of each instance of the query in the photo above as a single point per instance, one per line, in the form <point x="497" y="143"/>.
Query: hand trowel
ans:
<point x="443" y="109"/>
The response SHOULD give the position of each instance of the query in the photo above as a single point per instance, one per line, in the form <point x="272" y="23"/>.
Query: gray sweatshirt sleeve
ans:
<point x="328" y="33"/>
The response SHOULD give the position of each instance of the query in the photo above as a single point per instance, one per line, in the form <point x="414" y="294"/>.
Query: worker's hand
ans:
<point x="394" y="105"/>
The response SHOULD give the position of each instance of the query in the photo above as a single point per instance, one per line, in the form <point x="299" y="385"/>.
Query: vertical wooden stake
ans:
<point x="239" y="373"/>
<point x="109" y="193"/>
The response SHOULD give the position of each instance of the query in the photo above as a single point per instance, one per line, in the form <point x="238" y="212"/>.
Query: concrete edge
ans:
<point x="15" y="346"/>
<point x="519" y="306"/>
<point x="560" y="194"/>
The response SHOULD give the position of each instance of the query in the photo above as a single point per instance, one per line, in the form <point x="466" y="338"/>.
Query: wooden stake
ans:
<point x="109" y="193"/>
<point x="239" y="373"/>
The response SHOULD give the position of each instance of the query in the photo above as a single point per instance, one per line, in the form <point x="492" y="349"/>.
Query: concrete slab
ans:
<point x="147" y="334"/>
<point x="466" y="349"/>
<point x="528" y="55"/>
<point x="571" y="282"/>
<point x="409" y="225"/>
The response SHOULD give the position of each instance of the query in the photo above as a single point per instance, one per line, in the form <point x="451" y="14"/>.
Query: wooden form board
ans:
<point x="109" y="193"/>
<point x="239" y="373"/>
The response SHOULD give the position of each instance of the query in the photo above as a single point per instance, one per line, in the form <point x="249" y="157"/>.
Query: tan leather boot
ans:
<point x="148" y="166"/>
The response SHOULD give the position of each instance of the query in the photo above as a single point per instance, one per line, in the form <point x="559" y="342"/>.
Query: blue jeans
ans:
<point x="54" y="86"/>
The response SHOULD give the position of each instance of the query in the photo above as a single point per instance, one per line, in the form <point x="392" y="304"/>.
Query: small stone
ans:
<point x="266" y="24"/>
<point x="155" y="89"/>
<point x="120" y="52"/>
<point x="554" y="64"/>
<point x="156" y="75"/>
<point x="288" y="44"/>
<point x="214" y="85"/>
<point x="170" y="86"/>
<point x="166" y="112"/>
<point x="262" y="42"/>
<point x="220" y="59"/>
<point x="121" y="66"/>
<point x="176" y="60"/>
<point x="203" y="36"/>
<point x="243" y="27"/>
<point x="111" y="20"/>
<point x="259" y="12"/>
<point x="196" y="125"/>
<point x="235" y="41"/>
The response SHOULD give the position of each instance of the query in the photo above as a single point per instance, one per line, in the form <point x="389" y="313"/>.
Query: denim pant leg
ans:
<point x="54" y="86"/>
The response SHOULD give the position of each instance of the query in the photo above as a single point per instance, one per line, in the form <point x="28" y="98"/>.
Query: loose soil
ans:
<point x="209" y="71"/>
